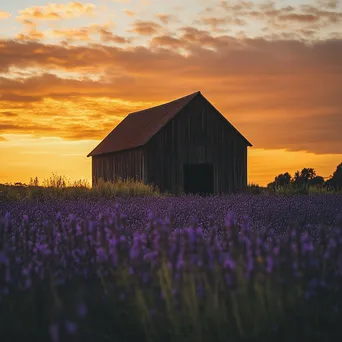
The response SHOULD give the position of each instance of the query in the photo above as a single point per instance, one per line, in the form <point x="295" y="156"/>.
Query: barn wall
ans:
<point x="199" y="134"/>
<point x="125" y="164"/>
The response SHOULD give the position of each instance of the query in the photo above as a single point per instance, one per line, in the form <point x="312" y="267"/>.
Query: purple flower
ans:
<point x="250" y="264"/>
<point x="3" y="258"/>
<point x="82" y="310"/>
<point x="70" y="327"/>
<point x="269" y="264"/>
<point x="134" y="252"/>
<point x="54" y="332"/>
<point x="228" y="279"/>
<point x="180" y="264"/>
<point x="229" y="263"/>
<point x="152" y="312"/>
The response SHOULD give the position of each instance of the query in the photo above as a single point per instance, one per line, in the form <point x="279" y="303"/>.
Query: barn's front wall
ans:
<point x="198" y="134"/>
<point x="124" y="164"/>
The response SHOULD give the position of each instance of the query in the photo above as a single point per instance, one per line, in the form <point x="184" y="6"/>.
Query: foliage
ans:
<point x="126" y="187"/>
<point x="306" y="182"/>
<point x="77" y="276"/>
<point x="283" y="179"/>
<point x="335" y="180"/>
<point x="254" y="189"/>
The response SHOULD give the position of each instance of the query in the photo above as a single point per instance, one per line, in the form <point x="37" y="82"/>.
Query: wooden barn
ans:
<point x="186" y="144"/>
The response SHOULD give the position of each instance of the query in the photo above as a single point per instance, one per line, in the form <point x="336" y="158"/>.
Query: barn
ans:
<point x="183" y="145"/>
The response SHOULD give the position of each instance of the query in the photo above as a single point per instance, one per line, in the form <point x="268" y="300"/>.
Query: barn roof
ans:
<point x="139" y="127"/>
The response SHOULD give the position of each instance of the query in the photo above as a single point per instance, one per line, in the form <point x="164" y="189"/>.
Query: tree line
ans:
<point x="308" y="177"/>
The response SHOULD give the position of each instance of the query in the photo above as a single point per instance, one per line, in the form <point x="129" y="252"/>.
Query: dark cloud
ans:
<point x="306" y="18"/>
<point x="167" y="41"/>
<point x="8" y="114"/>
<point x="280" y="93"/>
<point x="19" y="98"/>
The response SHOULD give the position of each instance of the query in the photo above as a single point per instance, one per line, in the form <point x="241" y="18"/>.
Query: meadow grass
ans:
<point x="58" y="186"/>
<point x="61" y="187"/>
<point x="290" y="190"/>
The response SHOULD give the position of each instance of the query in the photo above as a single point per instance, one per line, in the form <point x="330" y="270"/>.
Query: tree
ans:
<point x="283" y="179"/>
<point x="336" y="180"/>
<point x="304" y="177"/>
<point x="318" y="180"/>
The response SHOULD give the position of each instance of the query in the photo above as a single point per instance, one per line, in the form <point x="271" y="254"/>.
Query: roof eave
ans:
<point x="116" y="151"/>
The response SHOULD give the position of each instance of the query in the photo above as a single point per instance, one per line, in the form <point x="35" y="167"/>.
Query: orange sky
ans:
<point x="70" y="72"/>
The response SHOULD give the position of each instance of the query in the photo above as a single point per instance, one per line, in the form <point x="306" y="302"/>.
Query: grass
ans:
<point x="61" y="187"/>
<point x="289" y="190"/>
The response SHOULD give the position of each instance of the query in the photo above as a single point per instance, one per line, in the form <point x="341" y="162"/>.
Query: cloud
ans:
<point x="165" y="18"/>
<point x="331" y="4"/>
<point x="31" y="35"/>
<point x="19" y="98"/>
<point x="4" y="15"/>
<point x="214" y="22"/>
<point x="108" y="36"/>
<point x="306" y="18"/>
<point x="87" y="34"/>
<point x="145" y="28"/>
<point x="2" y="139"/>
<point x="237" y="6"/>
<point x="55" y="11"/>
<point x="129" y="13"/>
<point x="78" y="34"/>
<point x="8" y="114"/>
<point x="287" y="89"/>
<point x="167" y="41"/>
<point x="324" y="14"/>
<point x="30" y="32"/>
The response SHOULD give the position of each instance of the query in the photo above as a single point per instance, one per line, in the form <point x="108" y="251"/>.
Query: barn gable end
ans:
<point x="171" y="141"/>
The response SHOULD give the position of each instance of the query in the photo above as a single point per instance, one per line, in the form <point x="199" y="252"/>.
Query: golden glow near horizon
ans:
<point x="70" y="72"/>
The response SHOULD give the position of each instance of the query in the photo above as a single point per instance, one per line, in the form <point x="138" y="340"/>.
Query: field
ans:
<point x="224" y="268"/>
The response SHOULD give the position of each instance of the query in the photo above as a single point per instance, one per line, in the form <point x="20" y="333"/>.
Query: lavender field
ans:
<point x="225" y="268"/>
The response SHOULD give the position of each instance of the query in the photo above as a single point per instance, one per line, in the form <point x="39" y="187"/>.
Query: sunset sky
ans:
<point x="71" y="71"/>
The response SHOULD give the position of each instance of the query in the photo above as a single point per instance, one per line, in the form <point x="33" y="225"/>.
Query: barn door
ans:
<point x="198" y="179"/>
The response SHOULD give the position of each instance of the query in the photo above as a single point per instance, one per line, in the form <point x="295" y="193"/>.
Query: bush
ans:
<point x="254" y="189"/>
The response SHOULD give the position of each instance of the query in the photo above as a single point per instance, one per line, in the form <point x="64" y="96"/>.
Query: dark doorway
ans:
<point x="198" y="179"/>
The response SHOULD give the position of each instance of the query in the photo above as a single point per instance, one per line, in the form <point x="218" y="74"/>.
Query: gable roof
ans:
<point x="139" y="127"/>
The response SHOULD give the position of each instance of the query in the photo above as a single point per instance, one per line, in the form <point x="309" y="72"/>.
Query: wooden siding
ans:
<point x="125" y="164"/>
<point x="198" y="134"/>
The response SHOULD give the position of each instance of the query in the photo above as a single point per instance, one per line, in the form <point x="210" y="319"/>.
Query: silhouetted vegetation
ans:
<point x="61" y="187"/>
<point x="306" y="181"/>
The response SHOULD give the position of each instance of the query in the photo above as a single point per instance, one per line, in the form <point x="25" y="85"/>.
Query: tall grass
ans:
<point x="58" y="186"/>
<point x="124" y="187"/>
